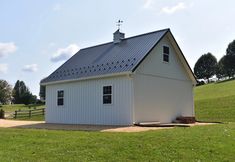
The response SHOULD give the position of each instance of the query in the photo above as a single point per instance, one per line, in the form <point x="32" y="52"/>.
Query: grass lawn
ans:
<point x="199" y="143"/>
<point x="32" y="118"/>
<point x="13" y="108"/>
<point x="215" y="102"/>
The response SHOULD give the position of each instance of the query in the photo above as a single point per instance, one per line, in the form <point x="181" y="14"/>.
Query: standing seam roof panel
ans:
<point x="107" y="58"/>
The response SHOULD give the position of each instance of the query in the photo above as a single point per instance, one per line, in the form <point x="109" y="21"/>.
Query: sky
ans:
<point x="36" y="37"/>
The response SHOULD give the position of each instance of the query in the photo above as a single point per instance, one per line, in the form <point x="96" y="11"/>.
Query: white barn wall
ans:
<point x="83" y="103"/>
<point x="162" y="91"/>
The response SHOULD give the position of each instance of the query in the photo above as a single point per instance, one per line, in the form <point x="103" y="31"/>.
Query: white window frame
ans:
<point x="107" y="85"/>
<point x="165" y="54"/>
<point x="57" y="97"/>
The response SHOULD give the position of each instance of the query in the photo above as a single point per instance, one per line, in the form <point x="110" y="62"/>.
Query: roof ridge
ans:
<point x="102" y="44"/>
<point x="167" y="29"/>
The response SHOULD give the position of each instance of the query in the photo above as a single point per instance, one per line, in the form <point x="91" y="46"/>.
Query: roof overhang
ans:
<point x="88" y="78"/>
<point x="182" y="57"/>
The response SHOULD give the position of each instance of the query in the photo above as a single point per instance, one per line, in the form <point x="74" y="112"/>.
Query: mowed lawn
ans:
<point x="199" y="143"/>
<point x="215" y="102"/>
<point x="13" y="108"/>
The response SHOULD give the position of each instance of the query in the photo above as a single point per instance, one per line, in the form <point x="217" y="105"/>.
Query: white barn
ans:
<point x="143" y="78"/>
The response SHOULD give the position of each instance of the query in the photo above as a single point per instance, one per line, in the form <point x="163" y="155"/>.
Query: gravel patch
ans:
<point x="42" y="125"/>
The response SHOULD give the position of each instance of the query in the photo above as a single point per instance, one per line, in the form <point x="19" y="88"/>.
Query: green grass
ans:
<point x="13" y="108"/>
<point x="201" y="143"/>
<point x="214" y="102"/>
<point x="32" y="118"/>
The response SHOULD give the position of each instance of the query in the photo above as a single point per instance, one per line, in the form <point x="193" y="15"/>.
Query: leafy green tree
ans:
<point x="220" y="70"/>
<point x="228" y="65"/>
<point x="22" y="95"/>
<point x="205" y="66"/>
<point x="229" y="62"/>
<point x="5" y="92"/>
<point x="231" y="48"/>
<point x="28" y="98"/>
<point x="18" y="91"/>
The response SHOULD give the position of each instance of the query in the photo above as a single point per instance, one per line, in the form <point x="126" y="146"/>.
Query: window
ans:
<point x="107" y="95"/>
<point x="166" y="53"/>
<point x="60" y="98"/>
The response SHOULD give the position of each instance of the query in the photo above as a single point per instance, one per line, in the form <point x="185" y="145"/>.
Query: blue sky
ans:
<point x="36" y="37"/>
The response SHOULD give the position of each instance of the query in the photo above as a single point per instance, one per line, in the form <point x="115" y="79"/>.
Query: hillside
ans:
<point x="215" y="102"/>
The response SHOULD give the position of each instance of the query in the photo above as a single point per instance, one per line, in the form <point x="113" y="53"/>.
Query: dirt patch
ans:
<point x="43" y="125"/>
<point x="14" y="123"/>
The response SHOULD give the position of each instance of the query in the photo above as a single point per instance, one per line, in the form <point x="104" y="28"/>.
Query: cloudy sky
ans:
<point x="38" y="36"/>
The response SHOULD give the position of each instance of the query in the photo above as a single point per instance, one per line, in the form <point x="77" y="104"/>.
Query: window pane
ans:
<point x="107" y="90"/>
<point x="60" y="101"/>
<point x="165" y="57"/>
<point x="107" y="99"/>
<point x="166" y="50"/>
<point x="60" y="94"/>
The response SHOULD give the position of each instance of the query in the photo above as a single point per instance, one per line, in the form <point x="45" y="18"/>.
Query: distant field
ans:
<point x="215" y="102"/>
<point x="215" y="143"/>
<point x="13" y="108"/>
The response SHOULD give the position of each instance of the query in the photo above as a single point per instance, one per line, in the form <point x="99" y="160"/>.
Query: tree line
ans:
<point x="207" y="65"/>
<point x="20" y="94"/>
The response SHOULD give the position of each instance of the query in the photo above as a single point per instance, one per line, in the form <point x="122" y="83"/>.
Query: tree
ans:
<point x="5" y="92"/>
<point x="28" y="98"/>
<point x="42" y="92"/>
<point x="220" y="70"/>
<point x="231" y="48"/>
<point x="19" y="90"/>
<point x="22" y="95"/>
<point x="205" y="66"/>
<point x="229" y="64"/>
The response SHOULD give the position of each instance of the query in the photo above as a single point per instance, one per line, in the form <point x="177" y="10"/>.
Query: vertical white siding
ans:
<point x="161" y="99"/>
<point x="162" y="91"/>
<point x="83" y="102"/>
<point x="154" y="65"/>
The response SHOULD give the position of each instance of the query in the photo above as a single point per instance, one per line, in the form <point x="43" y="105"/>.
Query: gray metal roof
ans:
<point x="107" y="58"/>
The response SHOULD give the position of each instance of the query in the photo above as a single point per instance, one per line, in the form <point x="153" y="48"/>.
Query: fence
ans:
<point x="29" y="113"/>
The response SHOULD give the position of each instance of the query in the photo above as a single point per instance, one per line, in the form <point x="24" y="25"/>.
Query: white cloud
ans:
<point x="7" y="48"/>
<point x="148" y="4"/>
<point x="3" y="68"/>
<point x="57" y="7"/>
<point x="173" y="9"/>
<point x="64" y="53"/>
<point x="30" y="68"/>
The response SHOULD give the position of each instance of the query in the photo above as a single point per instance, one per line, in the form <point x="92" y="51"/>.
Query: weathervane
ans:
<point x="119" y="23"/>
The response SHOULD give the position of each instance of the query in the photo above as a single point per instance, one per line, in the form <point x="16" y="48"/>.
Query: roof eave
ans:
<point x="87" y="78"/>
<point x="190" y="71"/>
